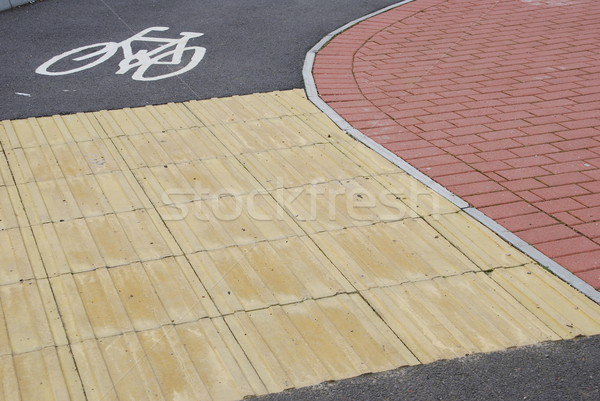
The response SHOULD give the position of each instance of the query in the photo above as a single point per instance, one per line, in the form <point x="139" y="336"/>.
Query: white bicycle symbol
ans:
<point x="169" y="53"/>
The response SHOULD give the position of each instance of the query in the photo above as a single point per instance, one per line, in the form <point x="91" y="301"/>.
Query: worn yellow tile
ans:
<point x="323" y="125"/>
<point x="63" y="160"/>
<point x="219" y="360"/>
<point x="182" y="294"/>
<point x="477" y="242"/>
<point x="392" y="253"/>
<point x="83" y="196"/>
<point x="450" y="317"/>
<point x="6" y="177"/>
<point x="221" y="222"/>
<point x="139" y="297"/>
<point x="267" y="273"/>
<point x="68" y="247"/>
<point x="235" y="109"/>
<point x="565" y="310"/>
<point x="295" y="101"/>
<point x="48" y="374"/>
<point x="130" y="371"/>
<point x="339" y="204"/>
<point x="262" y="135"/>
<point x="34" y="132"/>
<point x="9" y="386"/>
<point x="366" y="158"/>
<point x="182" y="183"/>
<point x="19" y="257"/>
<point x="294" y="167"/>
<point x="31" y="316"/>
<point x="93" y="371"/>
<point x="90" y="305"/>
<point x="146" y="119"/>
<point x="12" y="213"/>
<point x="419" y="197"/>
<point x="160" y="148"/>
<point x="337" y="337"/>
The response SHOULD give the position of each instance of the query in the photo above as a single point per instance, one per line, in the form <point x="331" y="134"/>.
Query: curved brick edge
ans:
<point x="8" y="4"/>
<point x="313" y="95"/>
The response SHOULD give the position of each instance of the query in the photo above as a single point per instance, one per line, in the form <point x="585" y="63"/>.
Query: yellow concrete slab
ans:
<point x="12" y="214"/>
<point x="227" y="221"/>
<point x="340" y="204"/>
<point x="387" y="254"/>
<point x="262" y="135"/>
<point x="193" y="361"/>
<point x="483" y="247"/>
<point x="55" y="130"/>
<point x="104" y="241"/>
<point x="416" y="195"/>
<point x="568" y="313"/>
<point x="450" y="317"/>
<point x="83" y="196"/>
<point x="19" y="256"/>
<point x="170" y="147"/>
<point x="65" y="160"/>
<point x="146" y="119"/>
<point x="298" y="166"/>
<point x="30" y="317"/>
<point x="232" y="247"/>
<point x="196" y="180"/>
<point x="48" y="374"/>
<point x="337" y="337"/>
<point x="268" y="273"/>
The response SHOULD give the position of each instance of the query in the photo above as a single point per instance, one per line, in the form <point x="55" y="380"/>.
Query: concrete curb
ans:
<point x="8" y="4"/>
<point x="313" y="95"/>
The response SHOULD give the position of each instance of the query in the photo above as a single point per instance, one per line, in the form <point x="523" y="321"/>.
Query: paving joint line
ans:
<point x="313" y="95"/>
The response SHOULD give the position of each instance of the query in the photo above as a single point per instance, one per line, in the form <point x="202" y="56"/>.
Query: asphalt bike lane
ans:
<point x="227" y="47"/>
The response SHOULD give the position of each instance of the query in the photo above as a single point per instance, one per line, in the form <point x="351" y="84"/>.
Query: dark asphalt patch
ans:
<point x="251" y="46"/>
<point x="557" y="371"/>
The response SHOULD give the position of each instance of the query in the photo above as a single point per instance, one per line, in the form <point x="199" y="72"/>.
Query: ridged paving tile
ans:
<point x="363" y="156"/>
<point x="136" y="297"/>
<point x="148" y="119"/>
<point x="19" y="256"/>
<point x="416" y="195"/>
<point x="262" y="135"/>
<point x="47" y="374"/>
<point x="340" y="204"/>
<point x="267" y="273"/>
<point x="196" y="180"/>
<point x="337" y="337"/>
<point x="565" y="310"/>
<point x="104" y="241"/>
<point x="198" y="360"/>
<point x="450" y="317"/>
<point x="6" y="177"/>
<point x="221" y="222"/>
<point x="83" y="196"/>
<point x="12" y="214"/>
<point x="175" y="146"/>
<point x="29" y="318"/>
<point x="478" y="243"/>
<point x="392" y="253"/>
<point x="298" y="166"/>
<point x="64" y="160"/>
<point x="55" y="130"/>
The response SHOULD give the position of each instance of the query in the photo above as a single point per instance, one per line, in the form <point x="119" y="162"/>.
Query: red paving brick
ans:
<point x="496" y="100"/>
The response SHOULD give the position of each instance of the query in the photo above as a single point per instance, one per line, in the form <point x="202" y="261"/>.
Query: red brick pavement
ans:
<point x="498" y="100"/>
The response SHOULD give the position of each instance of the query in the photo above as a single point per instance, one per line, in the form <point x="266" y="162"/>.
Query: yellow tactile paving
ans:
<point x="268" y="273"/>
<point x="223" y="248"/>
<point x="454" y="316"/>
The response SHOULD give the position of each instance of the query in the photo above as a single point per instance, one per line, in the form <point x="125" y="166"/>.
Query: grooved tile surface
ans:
<point x="224" y="248"/>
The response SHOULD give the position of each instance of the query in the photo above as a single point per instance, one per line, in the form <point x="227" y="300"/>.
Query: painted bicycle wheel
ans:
<point x="70" y="62"/>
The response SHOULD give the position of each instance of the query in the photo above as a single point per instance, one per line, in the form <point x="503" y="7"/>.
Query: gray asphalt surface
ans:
<point x="558" y="371"/>
<point x="251" y="46"/>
